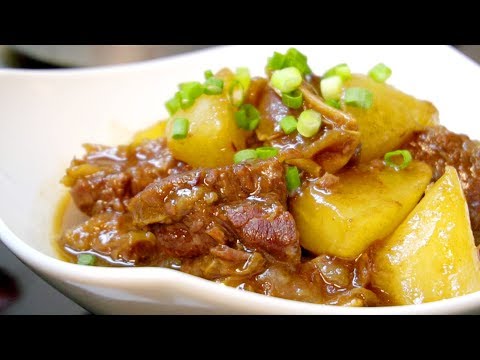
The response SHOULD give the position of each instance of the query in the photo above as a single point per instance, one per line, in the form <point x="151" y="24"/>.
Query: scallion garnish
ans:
<point x="191" y="89"/>
<point x="208" y="74"/>
<point x="293" y="99"/>
<point x="266" y="152"/>
<point x="242" y="155"/>
<point x="189" y="92"/>
<point x="358" y="97"/>
<point x="333" y="103"/>
<point x="292" y="58"/>
<point x="331" y="87"/>
<point x="247" y="117"/>
<point x="293" y="178"/>
<point x="341" y="70"/>
<point x="243" y="76"/>
<point x="276" y="62"/>
<point x="391" y="159"/>
<point x="86" y="259"/>
<point x="286" y="80"/>
<point x="236" y="93"/>
<point x="295" y="58"/>
<point x="309" y="123"/>
<point x="180" y="128"/>
<point x="288" y="124"/>
<point x="213" y="86"/>
<point x="185" y="101"/>
<point x="254" y="123"/>
<point x="173" y="105"/>
<point x="380" y="73"/>
<point x="241" y="119"/>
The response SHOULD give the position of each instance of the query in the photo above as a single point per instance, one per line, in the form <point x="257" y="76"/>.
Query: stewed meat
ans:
<point x="113" y="235"/>
<point x="192" y="235"/>
<point x="439" y="147"/>
<point x="108" y="176"/>
<point x="187" y="214"/>
<point x="168" y="200"/>
<point x="265" y="225"/>
<point x="196" y="210"/>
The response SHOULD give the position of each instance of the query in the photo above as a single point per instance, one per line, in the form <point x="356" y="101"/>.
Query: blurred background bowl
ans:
<point x="98" y="55"/>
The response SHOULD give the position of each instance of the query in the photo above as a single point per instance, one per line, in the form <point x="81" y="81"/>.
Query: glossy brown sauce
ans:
<point x="65" y="217"/>
<point x="323" y="279"/>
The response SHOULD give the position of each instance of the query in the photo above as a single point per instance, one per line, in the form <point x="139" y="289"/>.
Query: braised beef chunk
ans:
<point x="197" y="210"/>
<point x="114" y="235"/>
<point x="230" y="266"/>
<point x="259" y="225"/>
<point x="108" y="176"/>
<point x="149" y="161"/>
<point x="168" y="200"/>
<point x="194" y="235"/>
<point x="439" y="147"/>
<point x="264" y="225"/>
<point x="225" y="252"/>
<point x="100" y="192"/>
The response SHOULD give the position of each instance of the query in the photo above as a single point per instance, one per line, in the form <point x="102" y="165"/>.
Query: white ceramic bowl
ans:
<point x="46" y="115"/>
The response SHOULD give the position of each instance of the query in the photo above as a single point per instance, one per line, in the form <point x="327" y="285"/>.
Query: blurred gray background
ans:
<point x="28" y="293"/>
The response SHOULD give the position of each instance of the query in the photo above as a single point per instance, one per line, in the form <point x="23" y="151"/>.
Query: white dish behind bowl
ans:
<point x="45" y="116"/>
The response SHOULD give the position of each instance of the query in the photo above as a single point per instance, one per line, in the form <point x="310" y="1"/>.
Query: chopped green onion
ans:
<point x="292" y="58"/>
<point x="180" y="128"/>
<point x="243" y="155"/>
<point x="213" y="86"/>
<point x="185" y="102"/>
<point x="341" y="70"/>
<point x="276" y="62"/>
<point x="309" y="123"/>
<point x="358" y="97"/>
<point x="254" y="123"/>
<point x="288" y="124"/>
<point x="293" y="178"/>
<point x="243" y="76"/>
<point x="331" y="87"/>
<point x="286" y="80"/>
<point x="390" y="159"/>
<point x="191" y="89"/>
<point x="266" y="152"/>
<point x="247" y="117"/>
<point x="293" y="100"/>
<point x="236" y="93"/>
<point x="208" y="74"/>
<point x="173" y="105"/>
<point x="188" y="93"/>
<point x="86" y="259"/>
<point x="241" y="119"/>
<point x="253" y="116"/>
<point x="295" y="58"/>
<point x="333" y="103"/>
<point x="380" y="73"/>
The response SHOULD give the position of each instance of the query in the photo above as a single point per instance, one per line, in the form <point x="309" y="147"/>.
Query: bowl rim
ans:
<point x="173" y="279"/>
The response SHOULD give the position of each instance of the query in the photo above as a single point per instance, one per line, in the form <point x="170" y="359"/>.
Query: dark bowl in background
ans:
<point x="98" y="55"/>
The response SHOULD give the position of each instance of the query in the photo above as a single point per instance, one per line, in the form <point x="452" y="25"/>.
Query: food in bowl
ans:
<point x="333" y="189"/>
